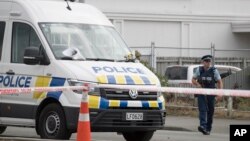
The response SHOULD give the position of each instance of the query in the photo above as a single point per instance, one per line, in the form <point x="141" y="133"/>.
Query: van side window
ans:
<point x="2" y="27"/>
<point x="23" y="36"/>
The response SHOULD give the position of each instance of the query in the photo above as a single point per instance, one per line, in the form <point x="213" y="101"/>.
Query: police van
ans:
<point x="50" y="43"/>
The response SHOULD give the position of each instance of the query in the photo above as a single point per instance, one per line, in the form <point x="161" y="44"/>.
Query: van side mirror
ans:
<point x="32" y="56"/>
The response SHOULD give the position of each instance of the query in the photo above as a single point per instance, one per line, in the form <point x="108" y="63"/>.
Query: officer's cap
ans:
<point x="206" y="57"/>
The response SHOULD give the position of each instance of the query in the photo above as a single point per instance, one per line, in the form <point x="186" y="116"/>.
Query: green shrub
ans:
<point x="162" y="78"/>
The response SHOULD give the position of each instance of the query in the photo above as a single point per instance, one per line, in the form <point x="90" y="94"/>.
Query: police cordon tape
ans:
<point x="189" y="91"/>
<point x="83" y="129"/>
<point x="39" y="89"/>
<point x="149" y="88"/>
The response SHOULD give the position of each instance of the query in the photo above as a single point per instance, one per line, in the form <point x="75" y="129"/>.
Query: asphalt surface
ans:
<point x="181" y="123"/>
<point x="28" y="134"/>
<point x="176" y="129"/>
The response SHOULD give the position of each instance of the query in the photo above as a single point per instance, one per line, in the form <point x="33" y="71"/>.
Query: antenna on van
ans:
<point x="68" y="7"/>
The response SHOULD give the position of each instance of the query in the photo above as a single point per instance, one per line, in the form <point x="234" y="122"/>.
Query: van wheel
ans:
<point x="52" y="123"/>
<point x="2" y="129"/>
<point x="138" y="136"/>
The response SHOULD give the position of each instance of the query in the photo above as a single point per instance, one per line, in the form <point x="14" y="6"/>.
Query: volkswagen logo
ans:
<point x="133" y="94"/>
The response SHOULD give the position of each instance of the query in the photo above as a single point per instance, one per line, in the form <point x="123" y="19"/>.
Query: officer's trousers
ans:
<point x="206" y="105"/>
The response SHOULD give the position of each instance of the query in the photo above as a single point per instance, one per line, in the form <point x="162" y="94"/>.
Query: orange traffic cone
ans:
<point x="83" y="129"/>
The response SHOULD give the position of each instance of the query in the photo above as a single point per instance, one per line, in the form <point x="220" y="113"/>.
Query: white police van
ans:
<point x="52" y="43"/>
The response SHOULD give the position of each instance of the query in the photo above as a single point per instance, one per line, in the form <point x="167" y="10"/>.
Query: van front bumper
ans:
<point x="114" y="120"/>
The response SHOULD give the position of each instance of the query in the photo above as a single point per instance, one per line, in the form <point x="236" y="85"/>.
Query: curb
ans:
<point x="21" y="139"/>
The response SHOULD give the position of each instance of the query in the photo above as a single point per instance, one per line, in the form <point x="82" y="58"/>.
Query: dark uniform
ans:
<point x="207" y="79"/>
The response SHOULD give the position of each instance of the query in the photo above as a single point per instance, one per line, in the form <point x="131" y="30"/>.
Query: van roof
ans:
<point x="56" y="11"/>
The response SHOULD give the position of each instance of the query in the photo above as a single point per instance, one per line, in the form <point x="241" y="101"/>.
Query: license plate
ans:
<point x="134" y="116"/>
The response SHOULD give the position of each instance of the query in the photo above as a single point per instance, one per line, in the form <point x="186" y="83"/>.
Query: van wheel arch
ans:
<point x="43" y="104"/>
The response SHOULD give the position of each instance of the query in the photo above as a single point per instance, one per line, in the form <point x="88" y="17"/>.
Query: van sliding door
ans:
<point x="18" y="108"/>
<point x="2" y="29"/>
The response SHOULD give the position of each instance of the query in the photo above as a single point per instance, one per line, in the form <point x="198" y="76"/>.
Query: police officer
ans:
<point x="206" y="76"/>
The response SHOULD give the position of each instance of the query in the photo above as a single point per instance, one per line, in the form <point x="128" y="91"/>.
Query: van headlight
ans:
<point x="92" y="90"/>
<point x="159" y="94"/>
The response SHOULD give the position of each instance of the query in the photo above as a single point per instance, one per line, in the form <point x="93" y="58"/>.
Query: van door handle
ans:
<point x="10" y="72"/>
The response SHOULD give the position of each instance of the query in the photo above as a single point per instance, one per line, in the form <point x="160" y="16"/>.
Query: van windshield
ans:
<point x="93" y="42"/>
<point x="176" y="73"/>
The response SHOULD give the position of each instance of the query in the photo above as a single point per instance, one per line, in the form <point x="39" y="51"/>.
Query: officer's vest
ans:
<point x="206" y="78"/>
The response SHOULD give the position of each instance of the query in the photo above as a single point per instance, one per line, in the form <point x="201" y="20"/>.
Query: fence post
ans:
<point x="229" y="106"/>
<point x="244" y="63"/>
<point x="230" y="100"/>
<point x="155" y="60"/>
<point x="180" y="61"/>
<point x="153" y="57"/>
<point x="213" y="53"/>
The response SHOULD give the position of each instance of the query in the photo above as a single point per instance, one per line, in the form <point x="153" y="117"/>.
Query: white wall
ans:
<point x="221" y="7"/>
<point x="144" y="32"/>
<point x="220" y="34"/>
<point x="180" y="23"/>
<point x="142" y="6"/>
<point x="217" y="7"/>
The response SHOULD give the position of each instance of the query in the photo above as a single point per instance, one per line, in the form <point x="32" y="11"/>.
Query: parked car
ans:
<point x="181" y="75"/>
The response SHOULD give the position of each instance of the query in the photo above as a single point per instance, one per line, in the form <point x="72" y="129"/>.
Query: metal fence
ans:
<point x="160" y="63"/>
<point x="163" y="62"/>
<point x="240" y="80"/>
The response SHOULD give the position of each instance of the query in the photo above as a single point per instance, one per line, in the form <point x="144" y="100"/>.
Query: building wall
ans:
<point x="143" y="32"/>
<point x="216" y="7"/>
<point x="180" y="24"/>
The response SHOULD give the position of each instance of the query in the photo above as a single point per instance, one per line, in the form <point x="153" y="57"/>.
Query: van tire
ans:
<point x="138" y="136"/>
<point x="2" y="129"/>
<point x="52" y="123"/>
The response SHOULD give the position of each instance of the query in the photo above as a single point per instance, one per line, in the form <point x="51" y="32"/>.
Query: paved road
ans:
<point x="191" y="123"/>
<point x="164" y="135"/>
<point x="182" y="129"/>
<point x="26" y="134"/>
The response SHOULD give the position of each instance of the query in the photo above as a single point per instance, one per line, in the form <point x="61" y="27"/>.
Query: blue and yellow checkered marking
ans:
<point x="43" y="81"/>
<point x="54" y="83"/>
<point x="145" y="80"/>
<point x="96" y="102"/>
<point x="129" y="80"/>
<point x="111" y="79"/>
<point x="126" y="80"/>
<point x="145" y="104"/>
